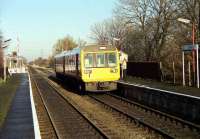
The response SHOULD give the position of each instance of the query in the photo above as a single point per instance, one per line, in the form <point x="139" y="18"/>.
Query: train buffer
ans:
<point x="19" y="122"/>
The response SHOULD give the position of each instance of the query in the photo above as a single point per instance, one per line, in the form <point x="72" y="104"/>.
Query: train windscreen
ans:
<point x="89" y="60"/>
<point x="112" y="60"/>
<point x="100" y="60"/>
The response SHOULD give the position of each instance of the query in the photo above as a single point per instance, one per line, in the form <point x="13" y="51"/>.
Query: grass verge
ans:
<point x="165" y="86"/>
<point x="7" y="92"/>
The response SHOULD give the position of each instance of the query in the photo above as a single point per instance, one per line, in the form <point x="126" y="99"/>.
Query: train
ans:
<point x="89" y="68"/>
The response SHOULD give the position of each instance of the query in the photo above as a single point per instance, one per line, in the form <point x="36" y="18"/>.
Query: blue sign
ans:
<point x="189" y="47"/>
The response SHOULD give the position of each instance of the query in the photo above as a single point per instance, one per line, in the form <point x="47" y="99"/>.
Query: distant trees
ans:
<point x="40" y="62"/>
<point x="66" y="43"/>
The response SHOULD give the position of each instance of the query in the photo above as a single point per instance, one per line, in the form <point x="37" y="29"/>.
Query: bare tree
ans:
<point x="106" y="31"/>
<point x="99" y="33"/>
<point x="81" y="43"/>
<point x="152" y="18"/>
<point x="190" y="9"/>
<point x="66" y="43"/>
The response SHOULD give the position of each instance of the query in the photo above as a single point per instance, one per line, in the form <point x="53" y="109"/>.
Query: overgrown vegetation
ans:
<point x="64" y="44"/>
<point x="7" y="93"/>
<point x="148" y="30"/>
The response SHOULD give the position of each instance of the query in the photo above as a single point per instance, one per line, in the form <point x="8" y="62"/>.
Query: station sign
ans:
<point x="189" y="47"/>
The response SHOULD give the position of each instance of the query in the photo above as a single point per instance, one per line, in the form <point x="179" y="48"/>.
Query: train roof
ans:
<point x="69" y="52"/>
<point x="97" y="47"/>
<point x="92" y="47"/>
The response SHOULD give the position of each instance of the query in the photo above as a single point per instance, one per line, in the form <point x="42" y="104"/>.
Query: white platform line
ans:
<point x="35" y="119"/>
<point x="166" y="91"/>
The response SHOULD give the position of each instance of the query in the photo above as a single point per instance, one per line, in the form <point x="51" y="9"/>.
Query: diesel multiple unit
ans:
<point x="91" y="68"/>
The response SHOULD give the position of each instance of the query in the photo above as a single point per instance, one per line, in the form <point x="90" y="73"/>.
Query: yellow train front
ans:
<point x="91" y="68"/>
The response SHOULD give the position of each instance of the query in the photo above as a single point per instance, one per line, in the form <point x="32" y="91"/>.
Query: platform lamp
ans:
<point x="197" y="48"/>
<point x="4" y="71"/>
<point x="116" y="40"/>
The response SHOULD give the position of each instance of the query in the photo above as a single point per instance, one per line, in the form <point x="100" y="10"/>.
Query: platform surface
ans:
<point x="19" y="121"/>
<point x="172" y="89"/>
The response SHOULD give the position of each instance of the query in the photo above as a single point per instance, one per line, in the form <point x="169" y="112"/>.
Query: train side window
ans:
<point x="78" y="60"/>
<point x="88" y="60"/>
<point x="100" y="60"/>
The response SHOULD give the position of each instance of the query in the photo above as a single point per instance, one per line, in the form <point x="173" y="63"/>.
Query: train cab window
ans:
<point x="89" y="60"/>
<point x="100" y="60"/>
<point x="111" y="59"/>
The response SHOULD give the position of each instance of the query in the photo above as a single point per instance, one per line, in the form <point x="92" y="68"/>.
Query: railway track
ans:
<point x="46" y="127"/>
<point x="66" y="121"/>
<point x="110" y="122"/>
<point x="127" y="117"/>
<point x="173" y="119"/>
<point x="167" y="126"/>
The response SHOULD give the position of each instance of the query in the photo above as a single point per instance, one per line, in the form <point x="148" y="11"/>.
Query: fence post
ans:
<point x="189" y="72"/>
<point x="174" y="73"/>
<point x="161" y="71"/>
<point x="183" y="64"/>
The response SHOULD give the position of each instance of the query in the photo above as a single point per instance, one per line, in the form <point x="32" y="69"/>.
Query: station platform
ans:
<point x="163" y="87"/>
<point x="19" y="121"/>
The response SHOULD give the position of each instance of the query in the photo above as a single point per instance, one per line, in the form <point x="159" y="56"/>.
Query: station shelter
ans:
<point x="15" y="64"/>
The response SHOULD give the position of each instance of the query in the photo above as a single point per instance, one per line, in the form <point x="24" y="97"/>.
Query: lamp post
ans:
<point x="116" y="40"/>
<point x="4" y="59"/>
<point x="193" y="50"/>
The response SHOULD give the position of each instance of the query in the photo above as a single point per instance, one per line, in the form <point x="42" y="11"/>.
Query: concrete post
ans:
<point x="189" y="72"/>
<point x="183" y="63"/>
<point x="197" y="50"/>
<point x="174" y="73"/>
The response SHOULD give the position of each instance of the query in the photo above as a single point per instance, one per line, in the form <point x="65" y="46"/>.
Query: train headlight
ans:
<point x="87" y="71"/>
<point x="113" y="70"/>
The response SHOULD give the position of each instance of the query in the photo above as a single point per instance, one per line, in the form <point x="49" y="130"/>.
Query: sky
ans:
<point x="40" y="23"/>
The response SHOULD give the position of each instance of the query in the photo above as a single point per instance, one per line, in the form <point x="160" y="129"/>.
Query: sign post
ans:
<point x="192" y="48"/>
<point x="197" y="50"/>
<point x="183" y="62"/>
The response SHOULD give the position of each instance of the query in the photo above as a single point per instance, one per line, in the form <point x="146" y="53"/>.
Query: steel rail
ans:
<point x="48" y="113"/>
<point x="136" y="119"/>
<point x="171" y="117"/>
<point x="102" y="133"/>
